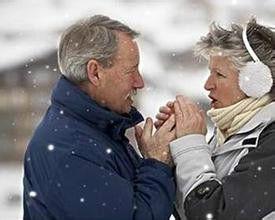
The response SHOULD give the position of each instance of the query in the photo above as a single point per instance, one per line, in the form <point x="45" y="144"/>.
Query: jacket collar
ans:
<point x="265" y="116"/>
<point x="250" y="131"/>
<point x="70" y="97"/>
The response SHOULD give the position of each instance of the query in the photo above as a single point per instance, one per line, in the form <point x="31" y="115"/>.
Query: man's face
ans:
<point x="119" y="83"/>
<point x="222" y="82"/>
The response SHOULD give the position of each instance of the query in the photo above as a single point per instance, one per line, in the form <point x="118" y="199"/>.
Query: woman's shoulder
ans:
<point x="267" y="136"/>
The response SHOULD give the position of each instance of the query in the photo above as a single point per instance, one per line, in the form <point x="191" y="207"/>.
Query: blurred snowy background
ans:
<point x="29" y="31"/>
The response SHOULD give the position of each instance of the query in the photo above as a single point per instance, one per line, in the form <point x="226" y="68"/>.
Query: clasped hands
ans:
<point x="175" y="120"/>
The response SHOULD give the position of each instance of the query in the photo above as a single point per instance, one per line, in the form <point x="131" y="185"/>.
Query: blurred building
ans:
<point x="25" y="94"/>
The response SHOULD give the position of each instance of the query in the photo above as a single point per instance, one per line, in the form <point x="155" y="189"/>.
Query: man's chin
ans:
<point x="124" y="110"/>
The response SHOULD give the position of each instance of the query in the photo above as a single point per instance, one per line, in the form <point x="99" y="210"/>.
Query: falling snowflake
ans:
<point x="82" y="200"/>
<point x="259" y="168"/>
<point x="61" y="112"/>
<point x="234" y="2"/>
<point x="32" y="194"/>
<point x="108" y="150"/>
<point x="50" y="147"/>
<point x="91" y="140"/>
<point x="209" y="216"/>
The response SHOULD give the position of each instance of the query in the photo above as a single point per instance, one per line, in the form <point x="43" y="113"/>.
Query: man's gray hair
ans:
<point x="90" y="38"/>
<point x="220" y="41"/>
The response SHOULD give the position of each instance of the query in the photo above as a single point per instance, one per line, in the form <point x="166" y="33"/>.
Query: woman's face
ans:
<point x="222" y="82"/>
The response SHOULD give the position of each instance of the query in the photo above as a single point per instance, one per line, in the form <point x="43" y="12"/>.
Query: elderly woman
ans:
<point x="232" y="176"/>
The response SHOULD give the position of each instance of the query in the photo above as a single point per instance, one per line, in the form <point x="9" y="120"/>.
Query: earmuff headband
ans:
<point x="247" y="45"/>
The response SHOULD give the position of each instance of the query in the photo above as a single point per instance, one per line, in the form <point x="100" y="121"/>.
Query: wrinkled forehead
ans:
<point x="217" y="51"/>
<point x="221" y="63"/>
<point x="127" y="48"/>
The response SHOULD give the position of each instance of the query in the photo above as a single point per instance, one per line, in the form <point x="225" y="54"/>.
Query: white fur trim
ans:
<point x="255" y="79"/>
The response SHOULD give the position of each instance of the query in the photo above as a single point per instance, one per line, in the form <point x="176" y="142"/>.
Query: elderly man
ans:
<point x="79" y="164"/>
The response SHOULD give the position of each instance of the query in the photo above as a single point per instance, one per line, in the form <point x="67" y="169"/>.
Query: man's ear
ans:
<point x="92" y="71"/>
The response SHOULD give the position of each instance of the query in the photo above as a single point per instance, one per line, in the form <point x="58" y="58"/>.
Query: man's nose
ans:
<point x="139" y="82"/>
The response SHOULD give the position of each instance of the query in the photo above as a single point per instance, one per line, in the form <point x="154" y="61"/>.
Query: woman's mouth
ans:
<point x="213" y="101"/>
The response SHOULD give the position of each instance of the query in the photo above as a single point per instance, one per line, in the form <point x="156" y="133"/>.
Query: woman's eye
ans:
<point x="220" y="75"/>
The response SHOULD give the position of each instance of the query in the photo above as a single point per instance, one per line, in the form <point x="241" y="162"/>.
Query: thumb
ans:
<point x="138" y="132"/>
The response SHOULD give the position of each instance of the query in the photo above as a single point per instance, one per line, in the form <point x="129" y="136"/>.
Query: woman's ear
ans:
<point x="92" y="72"/>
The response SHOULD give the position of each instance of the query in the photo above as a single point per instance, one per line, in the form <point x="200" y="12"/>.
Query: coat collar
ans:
<point x="71" y="98"/>
<point x="264" y="116"/>
<point x="250" y="131"/>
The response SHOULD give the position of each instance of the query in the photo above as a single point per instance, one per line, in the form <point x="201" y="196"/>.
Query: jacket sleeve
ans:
<point x="247" y="193"/>
<point x="86" y="190"/>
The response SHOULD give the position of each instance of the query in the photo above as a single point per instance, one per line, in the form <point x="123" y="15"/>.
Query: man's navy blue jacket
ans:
<point x="79" y="165"/>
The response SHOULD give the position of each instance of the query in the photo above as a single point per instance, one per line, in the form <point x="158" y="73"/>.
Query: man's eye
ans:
<point x="129" y="71"/>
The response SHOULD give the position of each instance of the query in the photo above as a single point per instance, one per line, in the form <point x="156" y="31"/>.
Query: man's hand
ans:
<point x="156" y="145"/>
<point x="190" y="119"/>
<point x="164" y="114"/>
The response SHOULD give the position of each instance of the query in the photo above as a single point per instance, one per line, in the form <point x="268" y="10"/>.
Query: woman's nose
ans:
<point x="209" y="84"/>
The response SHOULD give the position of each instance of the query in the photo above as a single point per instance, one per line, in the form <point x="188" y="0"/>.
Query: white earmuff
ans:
<point x="255" y="78"/>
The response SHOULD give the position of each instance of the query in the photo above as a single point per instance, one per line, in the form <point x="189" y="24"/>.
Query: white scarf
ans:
<point x="230" y="119"/>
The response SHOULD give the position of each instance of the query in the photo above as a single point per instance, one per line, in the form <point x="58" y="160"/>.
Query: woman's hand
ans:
<point x="190" y="119"/>
<point x="156" y="145"/>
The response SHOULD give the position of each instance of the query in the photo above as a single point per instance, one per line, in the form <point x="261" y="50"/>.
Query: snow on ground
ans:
<point x="10" y="191"/>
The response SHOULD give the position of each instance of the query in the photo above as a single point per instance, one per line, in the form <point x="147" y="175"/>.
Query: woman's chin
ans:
<point x="215" y="105"/>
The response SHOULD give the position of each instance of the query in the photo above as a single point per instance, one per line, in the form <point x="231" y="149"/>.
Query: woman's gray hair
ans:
<point x="220" y="41"/>
<point x="90" y="38"/>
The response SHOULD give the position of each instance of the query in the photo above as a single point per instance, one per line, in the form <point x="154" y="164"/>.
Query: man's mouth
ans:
<point x="131" y="95"/>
